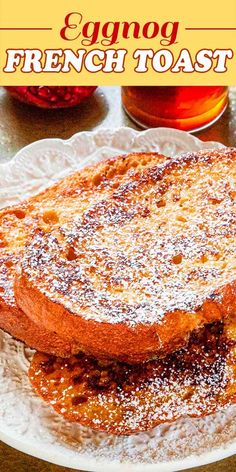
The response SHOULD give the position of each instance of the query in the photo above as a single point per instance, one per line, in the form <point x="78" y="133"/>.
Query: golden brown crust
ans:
<point x="103" y="340"/>
<point x="194" y="253"/>
<point x="14" y="321"/>
<point x="50" y="208"/>
<point x="123" y="399"/>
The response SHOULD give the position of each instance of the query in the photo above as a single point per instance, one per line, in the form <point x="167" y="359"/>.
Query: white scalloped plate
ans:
<point x="29" y="425"/>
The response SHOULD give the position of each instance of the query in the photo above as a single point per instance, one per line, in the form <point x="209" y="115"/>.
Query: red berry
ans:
<point x="51" y="97"/>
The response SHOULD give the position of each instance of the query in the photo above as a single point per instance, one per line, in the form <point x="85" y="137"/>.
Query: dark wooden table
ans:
<point x="21" y="125"/>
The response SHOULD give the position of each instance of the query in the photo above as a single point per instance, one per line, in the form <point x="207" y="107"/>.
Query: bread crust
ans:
<point x="37" y="337"/>
<point x="121" y="340"/>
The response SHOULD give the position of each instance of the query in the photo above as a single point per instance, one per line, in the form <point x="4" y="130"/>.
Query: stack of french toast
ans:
<point x="122" y="277"/>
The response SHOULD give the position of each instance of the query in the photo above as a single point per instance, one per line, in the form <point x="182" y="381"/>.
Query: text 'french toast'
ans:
<point x="51" y="208"/>
<point x="137" y="272"/>
<point x="123" y="399"/>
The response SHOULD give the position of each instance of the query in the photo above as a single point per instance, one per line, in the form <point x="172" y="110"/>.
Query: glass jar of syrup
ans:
<point x="188" y="108"/>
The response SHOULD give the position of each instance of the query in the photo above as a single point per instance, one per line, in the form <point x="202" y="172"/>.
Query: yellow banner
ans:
<point x="146" y="43"/>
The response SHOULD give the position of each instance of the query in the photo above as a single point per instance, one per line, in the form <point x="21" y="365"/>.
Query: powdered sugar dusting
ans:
<point x="156" y="246"/>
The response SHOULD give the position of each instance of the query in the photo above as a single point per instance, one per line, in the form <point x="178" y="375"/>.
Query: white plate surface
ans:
<point x="29" y="425"/>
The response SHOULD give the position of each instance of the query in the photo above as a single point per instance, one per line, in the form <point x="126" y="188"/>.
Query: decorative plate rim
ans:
<point x="173" y="131"/>
<point x="174" y="466"/>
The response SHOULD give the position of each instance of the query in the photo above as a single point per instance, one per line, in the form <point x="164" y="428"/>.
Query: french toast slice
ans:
<point x="137" y="272"/>
<point x="51" y="208"/>
<point x="123" y="399"/>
